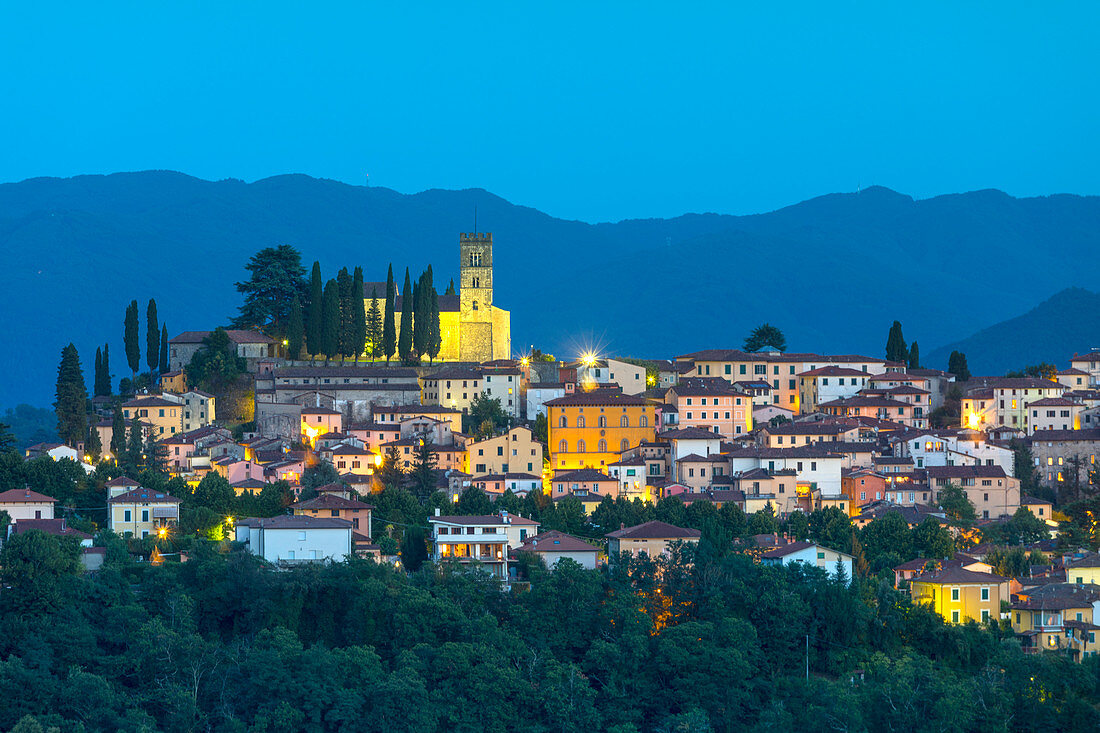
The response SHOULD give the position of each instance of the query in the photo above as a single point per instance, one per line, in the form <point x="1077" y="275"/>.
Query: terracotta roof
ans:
<point x="331" y="501"/>
<point x="696" y="458"/>
<point x="834" y="371"/>
<point x="345" y="371"/>
<point x="689" y="434"/>
<point x="122" y="481"/>
<point x="22" y="496"/>
<point x="416" y="410"/>
<point x="602" y="397"/>
<point x="49" y="526"/>
<point x="1065" y="435"/>
<point x="817" y="427"/>
<point x="654" y="530"/>
<point x="320" y="411"/>
<point x="583" y="474"/>
<point x="142" y="495"/>
<point x="957" y="575"/>
<point x="295" y="521"/>
<point x="479" y="519"/>
<point x="949" y="472"/>
<point x="1056" y="596"/>
<point x="793" y="547"/>
<point x="555" y="541"/>
<point x="150" y="402"/>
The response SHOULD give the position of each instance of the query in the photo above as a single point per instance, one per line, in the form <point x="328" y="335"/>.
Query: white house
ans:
<point x="539" y="393"/>
<point x="631" y="378"/>
<point x="22" y="504"/>
<point x="810" y="554"/>
<point x="486" y="539"/>
<point x="503" y="384"/>
<point x="289" y="539"/>
<point x="829" y="383"/>
<point x="953" y="448"/>
<point x="553" y="546"/>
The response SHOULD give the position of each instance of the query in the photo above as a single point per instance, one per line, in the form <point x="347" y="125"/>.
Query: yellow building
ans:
<point x="454" y="387"/>
<point x="1057" y="618"/>
<point x="516" y="451"/>
<point x="164" y="417"/>
<point x="1084" y="570"/>
<point x="591" y="429"/>
<point x="957" y="594"/>
<point x="393" y="416"/>
<point x="471" y="327"/>
<point x="139" y="511"/>
<point x="651" y="538"/>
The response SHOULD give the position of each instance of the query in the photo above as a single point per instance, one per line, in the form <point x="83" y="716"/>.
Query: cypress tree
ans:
<point x="914" y="356"/>
<point x="71" y="398"/>
<point x="404" y="339"/>
<point x="420" y="317"/>
<point x="343" y="286"/>
<point x="93" y="446"/>
<point x="389" y="327"/>
<point x="135" y="445"/>
<point x="295" y="329"/>
<point x="163" y="348"/>
<point x="152" y="336"/>
<point x="450" y="288"/>
<point x="956" y="364"/>
<point x="118" y="432"/>
<point x="435" y="337"/>
<point x="106" y="388"/>
<point x="330" y="320"/>
<point x="314" y="317"/>
<point x="895" y="344"/>
<point x="97" y="381"/>
<point x="358" y="315"/>
<point x="130" y="337"/>
<point x="374" y="326"/>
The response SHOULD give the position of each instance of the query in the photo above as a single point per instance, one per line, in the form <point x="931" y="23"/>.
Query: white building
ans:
<point x="553" y="546"/>
<point x="829" y="383"/>
<point x="289" y="539"/>
<point x="21" y="504"/>
<point x="810" y="554"/>
<point x="486" y="539"/>
<point x="504" y="384"/>
<point x="953" y="448"/>
<point x="539" y="393"/>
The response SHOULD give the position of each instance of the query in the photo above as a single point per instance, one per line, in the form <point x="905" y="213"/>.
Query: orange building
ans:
<point x="591" y="429"/>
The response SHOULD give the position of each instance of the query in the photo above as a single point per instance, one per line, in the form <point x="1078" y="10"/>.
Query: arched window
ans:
<point x="624" y="422"/>
<point x="476" y="282"/>
<point x="580" y="421"/>
<point x="624" y="445"/>
<point x="601" y="447"/>
<point x="563" y="447"/>
<point x="561" y="422"/>
<point x="580" y="446"/>
<point x="603" y="421"/>
<point x="644" y="421"/>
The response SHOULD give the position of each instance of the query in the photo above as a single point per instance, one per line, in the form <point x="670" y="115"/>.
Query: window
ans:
<point x="985" y="594"/>
<point x="563" y="447"/>
<point x="561" y="422"/>
<point x="624" y="444"/>
<point x="126" y="517"/>
<point x="602" y="422"/>
<point x="624" y="422"/>
<point x="302" y="536"/>
<point x="954" y="617"/>
<point x="580" y="446"/>
<point x="601" y="447"/>
<point x="580" y="421"/>
<point x="954" y="594"/>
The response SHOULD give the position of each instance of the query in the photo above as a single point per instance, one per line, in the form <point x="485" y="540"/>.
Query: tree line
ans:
<point x="329" y="318"/>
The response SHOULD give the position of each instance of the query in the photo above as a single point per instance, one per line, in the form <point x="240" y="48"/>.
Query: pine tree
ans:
<point x="914" y="356"/>
<point x="895" y="344"/>
<point x="97" y="380"/>
<point x="314" y="316"/>
<point x="130" y="338"/>
<point x="422" y="471"/>
<point x="152" y="336"/>
<point x="435" y="336"/>
<point x="405" y="338"/>
<point x="450" y="288"/>
<point x="374" y="327"/>
<point x="93" y="446"/>
<point x="118" y="432"/>
<point x="106" y="387"/>
<point x="330" y="320"/>
<point x="389" y="326"/>
<point x="343" y="287"/>
<point x="72" y="398"/>
<point x="295" y="330"/>
<point x="358" y="315"/>
<point x="163" y="348"/>
<point x="956" y="364"/>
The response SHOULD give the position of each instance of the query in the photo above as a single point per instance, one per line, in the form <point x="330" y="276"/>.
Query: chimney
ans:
<point x="437" y="511"/>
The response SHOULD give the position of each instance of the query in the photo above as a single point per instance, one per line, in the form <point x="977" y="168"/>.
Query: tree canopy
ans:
<point x="276" y="276"/>
<point x="763" y="336"/>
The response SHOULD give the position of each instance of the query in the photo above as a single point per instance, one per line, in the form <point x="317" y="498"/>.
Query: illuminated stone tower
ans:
<point x="476" y="297"/>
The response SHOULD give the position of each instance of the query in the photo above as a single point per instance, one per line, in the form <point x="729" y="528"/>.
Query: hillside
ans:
<point x="1053" y="331"/>
<point x="833" y="272"/>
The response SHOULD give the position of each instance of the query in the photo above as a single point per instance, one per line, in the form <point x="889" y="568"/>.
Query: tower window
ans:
<point x="476" y="282"/>
<point x="475" y="259"/>
<point x="475" y="305"/>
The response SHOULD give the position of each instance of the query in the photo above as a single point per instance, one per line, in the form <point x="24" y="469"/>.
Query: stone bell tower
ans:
<point x="476" y="297"/>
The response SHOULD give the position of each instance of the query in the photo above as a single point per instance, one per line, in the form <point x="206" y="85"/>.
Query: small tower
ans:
<point x="476" y="297"/>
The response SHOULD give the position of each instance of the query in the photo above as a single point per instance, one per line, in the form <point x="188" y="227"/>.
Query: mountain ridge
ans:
<point x="832" y="271"/>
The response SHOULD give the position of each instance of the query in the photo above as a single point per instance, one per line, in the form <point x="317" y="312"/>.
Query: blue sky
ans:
<point x="595" y="111"/>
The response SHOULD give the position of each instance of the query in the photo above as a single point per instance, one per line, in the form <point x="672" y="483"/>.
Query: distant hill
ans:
<point x="832" y="272"/>
<point x="1053" y="331"/>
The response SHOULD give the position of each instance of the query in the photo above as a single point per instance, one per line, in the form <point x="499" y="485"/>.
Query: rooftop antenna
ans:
<point x="475" y="220"/>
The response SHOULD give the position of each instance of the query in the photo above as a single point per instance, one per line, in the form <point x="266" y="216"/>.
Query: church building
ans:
<point x="471" y="327"/>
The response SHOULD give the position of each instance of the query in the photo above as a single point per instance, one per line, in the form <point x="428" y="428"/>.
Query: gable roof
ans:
<point x="654" y="530"/>
<point x="23" y="496"/>
<point x="143" y="495"/>
<point x="555" y="541"/>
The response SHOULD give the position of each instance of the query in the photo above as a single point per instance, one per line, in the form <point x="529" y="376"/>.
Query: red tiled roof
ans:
<point x="23" y="496"/>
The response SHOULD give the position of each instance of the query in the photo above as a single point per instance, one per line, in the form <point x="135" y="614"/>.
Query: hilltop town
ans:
<point x="361" y="421"/>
